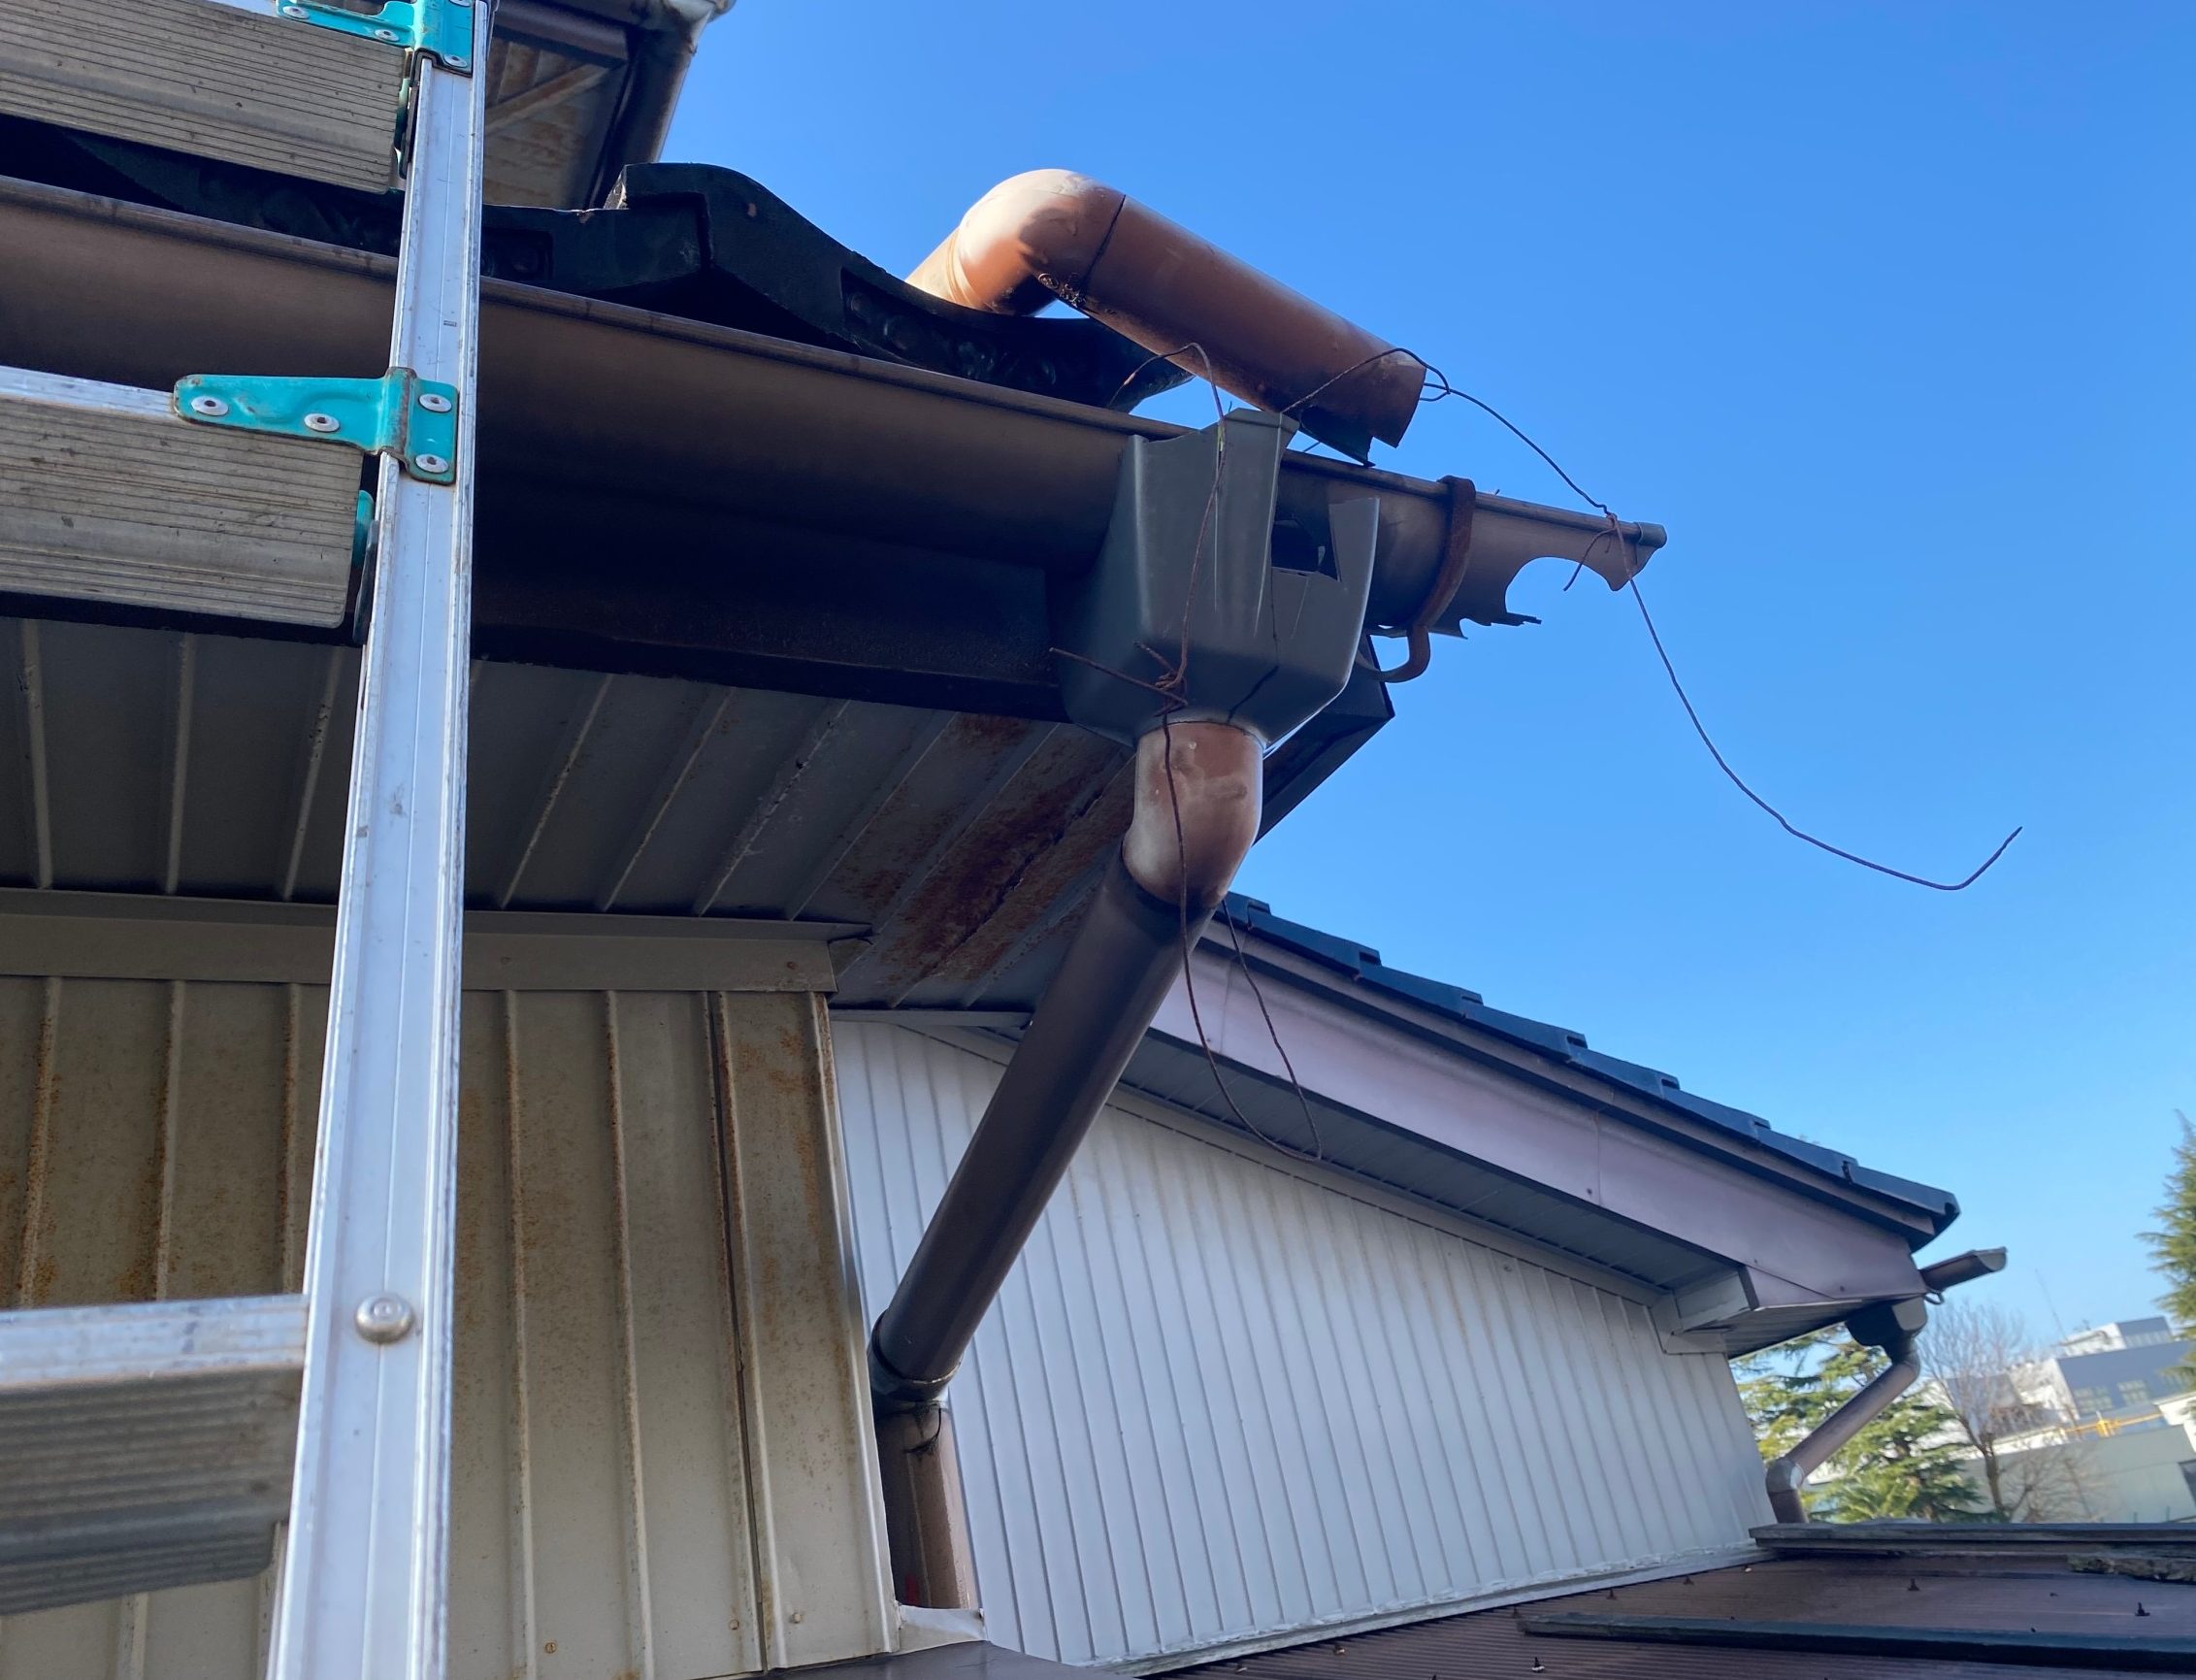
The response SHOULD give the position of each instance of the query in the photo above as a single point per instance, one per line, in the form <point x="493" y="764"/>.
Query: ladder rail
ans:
<point x="366" y="1561"/>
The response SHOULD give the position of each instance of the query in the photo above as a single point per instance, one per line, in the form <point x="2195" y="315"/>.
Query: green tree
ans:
<point x="1907" y="1462"/>
<point x="2172" y="1245"/>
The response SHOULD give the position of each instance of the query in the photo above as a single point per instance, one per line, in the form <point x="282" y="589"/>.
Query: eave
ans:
<point x="662" y="495"/>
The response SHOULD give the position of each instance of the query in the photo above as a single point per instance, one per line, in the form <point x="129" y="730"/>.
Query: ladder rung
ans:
<point x="210" y="77"/>
<point x="144" y="1446"/>
<point x="106" y="494"/>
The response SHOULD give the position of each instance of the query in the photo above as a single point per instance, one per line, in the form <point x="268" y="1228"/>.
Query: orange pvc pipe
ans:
<point x="1052" y="233"/>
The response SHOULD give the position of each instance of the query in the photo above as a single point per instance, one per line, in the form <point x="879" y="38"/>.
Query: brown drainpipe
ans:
<point x="1895" y="1326"/>
<point x="1198" y="792"/>
<point x="1052" y="233"/>
<point x="1788" y="1474"/>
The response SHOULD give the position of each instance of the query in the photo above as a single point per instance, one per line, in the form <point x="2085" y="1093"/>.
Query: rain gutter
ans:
<point x="719" y="457"/>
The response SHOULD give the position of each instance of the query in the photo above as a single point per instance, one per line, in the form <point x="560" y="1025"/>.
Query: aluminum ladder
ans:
<point x="154" y="1446"/>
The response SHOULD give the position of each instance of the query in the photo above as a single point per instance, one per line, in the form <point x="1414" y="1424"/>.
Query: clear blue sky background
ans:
<point x="1885" y="312"/>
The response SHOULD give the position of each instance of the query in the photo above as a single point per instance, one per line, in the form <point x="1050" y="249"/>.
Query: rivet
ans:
<point x="430" y="463"/>
<point x="295" y="12"/>
<point x="317" y="422"/>
<point x="459" y="63"/>
<point x="795" y="1616"/>
<point x="433" y="402"/>
<point x="384" y="34"/>
<point x="212" y="407"/>
<point x="384" y="1318"/>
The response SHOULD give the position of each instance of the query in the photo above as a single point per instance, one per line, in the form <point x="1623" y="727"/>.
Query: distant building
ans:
<point x="2113" y="1369"/>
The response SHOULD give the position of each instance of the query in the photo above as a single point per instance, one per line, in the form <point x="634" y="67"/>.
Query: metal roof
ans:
<point x="1381" y="985"/>
<point x="2081" y="1624"/>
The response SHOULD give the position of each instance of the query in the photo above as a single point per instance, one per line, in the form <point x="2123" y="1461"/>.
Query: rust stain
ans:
<point x="916" y="818"/>
<point x="1042" y="889"/>
<point x="974" y="882"/>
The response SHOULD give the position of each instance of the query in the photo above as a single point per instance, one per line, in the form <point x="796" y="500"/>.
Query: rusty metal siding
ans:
<point x="613" y="1444"/>
<point x="1226" y="1394"/>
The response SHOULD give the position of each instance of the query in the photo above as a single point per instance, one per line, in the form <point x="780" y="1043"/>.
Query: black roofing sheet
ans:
<point x="2014" y="1597"/>
<point x="1361" y="963"/>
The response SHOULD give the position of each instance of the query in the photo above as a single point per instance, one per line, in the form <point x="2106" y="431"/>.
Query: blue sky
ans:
<point x="1884" y="311"/>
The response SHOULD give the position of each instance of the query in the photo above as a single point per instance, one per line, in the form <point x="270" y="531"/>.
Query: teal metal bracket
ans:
<point x="399" y="414"/>
<point x="443" y="29"/>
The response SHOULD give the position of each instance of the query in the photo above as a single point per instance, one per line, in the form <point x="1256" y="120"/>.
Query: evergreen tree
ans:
<point x="2172" y="1245"/>
<point x="1907" y="1462"/>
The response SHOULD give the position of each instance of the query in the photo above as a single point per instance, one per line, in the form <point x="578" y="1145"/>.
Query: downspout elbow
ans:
<point x="1786" y="1475"/>
<point x="1051" y="233"/>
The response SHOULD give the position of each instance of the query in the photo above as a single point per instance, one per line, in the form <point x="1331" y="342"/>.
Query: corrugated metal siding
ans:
<point x="156" y="1140"/>
<point x="141" y="760"/>
<point x="1221" y="1397"/>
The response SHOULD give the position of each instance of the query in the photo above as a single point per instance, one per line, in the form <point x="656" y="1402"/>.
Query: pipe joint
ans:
<point x="896" y="1392"/>
<point x="1199" y="790"/>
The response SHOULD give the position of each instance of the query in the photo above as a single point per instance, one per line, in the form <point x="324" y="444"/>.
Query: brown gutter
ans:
<point x="1054" y="234"/>
<point x="699" y="439"/>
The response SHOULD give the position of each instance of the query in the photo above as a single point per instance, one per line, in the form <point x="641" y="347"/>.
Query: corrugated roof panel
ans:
<point x="142" y="760"/>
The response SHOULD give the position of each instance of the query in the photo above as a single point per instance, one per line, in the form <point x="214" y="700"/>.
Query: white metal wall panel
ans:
<point x="1223" y="1396"/>
<point x="156" y="1141"/>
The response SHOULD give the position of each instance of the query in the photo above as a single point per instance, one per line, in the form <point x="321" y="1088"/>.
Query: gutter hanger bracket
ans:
<point x="1208" y="603"/>
<point x="442" y="29"/>
<point x="399" y="415"/>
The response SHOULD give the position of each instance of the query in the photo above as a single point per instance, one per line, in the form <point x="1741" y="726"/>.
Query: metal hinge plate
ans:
<point x="443" y="29"/>
<point x="399" y="414"/>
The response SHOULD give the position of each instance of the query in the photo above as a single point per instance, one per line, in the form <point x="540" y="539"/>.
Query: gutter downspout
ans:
<point x="1896" y="1328"/>
<point x="1259" y="648"/>
<point x="1196" y="814"/>
<point x="1052" y="233"/>
<point x="1196" y="804"/>
<point x="1788" y="1474"/>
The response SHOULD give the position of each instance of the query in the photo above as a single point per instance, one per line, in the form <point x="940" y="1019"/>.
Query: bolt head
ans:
<point x="324" y="423"/>
<point x="430" y="463"/>
<point x="433" y="402"/>
<point x="210" y="406"/>
<point x="384" y="1318"/>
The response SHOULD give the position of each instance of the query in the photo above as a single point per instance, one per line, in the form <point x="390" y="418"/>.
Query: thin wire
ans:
<point x="1439" y="384"/>
<point x="1698" y="728"/>
<point x="1319" y="1147"/>
<point x="1188" y="974"/>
